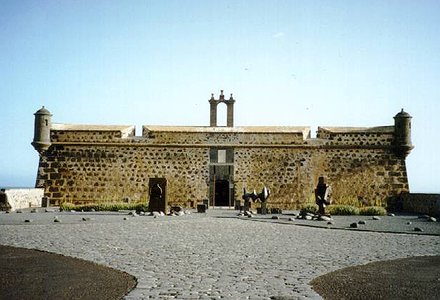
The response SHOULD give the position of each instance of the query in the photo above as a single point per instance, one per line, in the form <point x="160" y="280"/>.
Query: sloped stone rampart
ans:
<point x="14" y="199"/>
<point x="421" y="203"/>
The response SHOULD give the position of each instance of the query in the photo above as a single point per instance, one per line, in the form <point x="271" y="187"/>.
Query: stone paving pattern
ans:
<point x="214" y="255"/>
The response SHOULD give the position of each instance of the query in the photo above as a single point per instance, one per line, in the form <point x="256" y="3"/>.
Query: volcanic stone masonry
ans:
<point x="100" y="163"/>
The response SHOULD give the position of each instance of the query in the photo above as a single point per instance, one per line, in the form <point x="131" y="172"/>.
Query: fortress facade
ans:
<point x="94" y="163"/>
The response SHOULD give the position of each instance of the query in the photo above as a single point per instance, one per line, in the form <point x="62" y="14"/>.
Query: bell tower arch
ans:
<point x="229" y="109"/>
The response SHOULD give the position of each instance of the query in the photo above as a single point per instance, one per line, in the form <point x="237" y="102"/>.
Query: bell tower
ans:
<point x="229" y="110"/>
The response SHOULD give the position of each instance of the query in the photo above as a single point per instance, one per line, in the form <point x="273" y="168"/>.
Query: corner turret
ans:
<point x="42" y="126"/>
<point x="402" y="134"/>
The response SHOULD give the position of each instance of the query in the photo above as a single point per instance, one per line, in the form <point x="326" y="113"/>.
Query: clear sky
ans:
<point x="311" y="63"/>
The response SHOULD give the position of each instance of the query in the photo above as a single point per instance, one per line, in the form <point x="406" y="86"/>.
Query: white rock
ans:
<point x="324" y="218"/>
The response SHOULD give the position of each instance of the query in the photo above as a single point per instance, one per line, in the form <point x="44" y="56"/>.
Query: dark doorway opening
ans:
<point x="221" y="193"/>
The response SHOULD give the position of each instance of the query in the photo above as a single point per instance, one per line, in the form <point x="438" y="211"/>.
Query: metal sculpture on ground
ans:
<point x="265" y="193"/>
<point x="322" y="195"/>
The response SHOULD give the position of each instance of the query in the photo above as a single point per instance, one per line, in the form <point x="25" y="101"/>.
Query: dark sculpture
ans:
<point x="322" y="195"/>
<point x="247" y="197"/>
<point x="156" y="198"/>
<point x="265" y="193"/>
<point x="156" y="191"/>
<point x="254" y="196"/>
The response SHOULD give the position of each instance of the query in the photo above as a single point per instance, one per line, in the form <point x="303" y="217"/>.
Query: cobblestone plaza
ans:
<point x="216" y="255"/>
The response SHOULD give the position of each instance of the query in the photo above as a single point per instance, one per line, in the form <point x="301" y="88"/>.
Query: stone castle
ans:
<point x="95" y="163"/>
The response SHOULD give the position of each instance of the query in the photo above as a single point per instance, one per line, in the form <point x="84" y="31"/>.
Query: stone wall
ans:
<point x="109" y="163"/>
<point x="13" y="199"/>
<point x="82" y="174"/>
<point x="369" y="176"/>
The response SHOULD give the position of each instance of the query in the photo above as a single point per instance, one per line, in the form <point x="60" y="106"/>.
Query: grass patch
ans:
<point x="372" y="211"/>
<point x="345" y="210"/>
<point x="109" y="206"/>
<point x="342" y="210"/>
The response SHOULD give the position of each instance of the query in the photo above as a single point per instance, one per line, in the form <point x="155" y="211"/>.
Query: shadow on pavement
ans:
<point x="32" y="274"/>
<point x="407" y="278"/>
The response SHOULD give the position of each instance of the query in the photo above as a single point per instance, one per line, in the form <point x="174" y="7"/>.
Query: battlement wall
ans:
<point x="158" y="135"/>
<point x="226" y="135"/>
<point x="378" y="136"/>
<point x="60" y="133"/>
